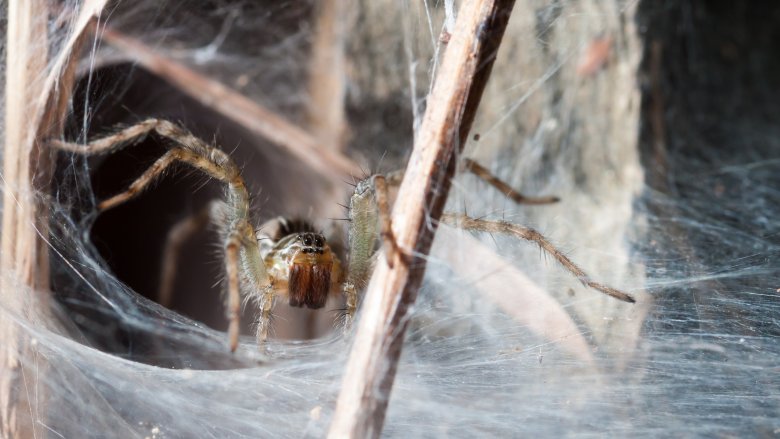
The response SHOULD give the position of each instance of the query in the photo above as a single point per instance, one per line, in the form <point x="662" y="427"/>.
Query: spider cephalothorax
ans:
<point x="301" y="264"/>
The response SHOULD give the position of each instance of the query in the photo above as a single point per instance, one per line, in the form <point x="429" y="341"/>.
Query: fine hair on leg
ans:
<point x="529" y="234"/>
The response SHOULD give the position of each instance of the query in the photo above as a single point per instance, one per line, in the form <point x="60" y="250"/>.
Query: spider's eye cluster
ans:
<point x="312" y="242"/>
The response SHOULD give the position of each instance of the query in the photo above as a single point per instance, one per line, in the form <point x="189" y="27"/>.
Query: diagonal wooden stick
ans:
<point x="452" y="105"/>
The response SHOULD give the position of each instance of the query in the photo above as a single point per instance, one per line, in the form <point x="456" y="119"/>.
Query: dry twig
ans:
<point x="451" y="109"/>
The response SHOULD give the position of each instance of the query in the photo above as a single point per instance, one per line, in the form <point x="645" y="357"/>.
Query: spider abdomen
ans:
<point x="309" y="284"/>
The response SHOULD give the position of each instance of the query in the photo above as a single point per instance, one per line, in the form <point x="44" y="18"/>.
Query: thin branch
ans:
<point x="452" y="105"/>
<point x="237" y="107"/>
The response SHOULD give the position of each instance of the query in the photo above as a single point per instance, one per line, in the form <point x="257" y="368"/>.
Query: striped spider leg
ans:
<point x="244" y="265"/>
<point x="465" y="222"/>
<point x="504" y="227"/>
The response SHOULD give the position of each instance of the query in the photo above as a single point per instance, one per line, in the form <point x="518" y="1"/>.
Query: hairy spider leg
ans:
<point x="264" y="319"/>
<point x="468" y="223"/>
<point x="244" y="266"/>
<point x="482" y="172"/>
<point x="529" y="234"/>
<point x="394" y="179"/>
<point x="179" y="234"/>
<point x="368" y="207"/>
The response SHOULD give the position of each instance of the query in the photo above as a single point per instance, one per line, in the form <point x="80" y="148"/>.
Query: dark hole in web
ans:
<point x="130" y="237"/>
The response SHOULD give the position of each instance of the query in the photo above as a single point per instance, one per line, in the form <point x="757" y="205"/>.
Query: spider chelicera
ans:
<point x="288" y="258"/>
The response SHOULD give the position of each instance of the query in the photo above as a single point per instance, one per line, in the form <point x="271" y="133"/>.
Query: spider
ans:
<point x="288" y="258"/>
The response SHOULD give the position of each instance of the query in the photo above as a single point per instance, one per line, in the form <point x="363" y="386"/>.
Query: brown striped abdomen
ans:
<point x="309" y="284"/>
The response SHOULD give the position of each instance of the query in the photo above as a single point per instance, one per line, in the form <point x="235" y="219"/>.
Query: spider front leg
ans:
<point x="485" y="175"/>
<point x="144" y="180"/>
<point x="266" y="303"/>
<point x="467" y="223"/>
<point x="244" y="266"/>
<point x="369" y="213"/>
<point x="517" y="231"/>
<point x="188" y="149"/>
<point x="246" y="272"/>
<point x="369" y="206"/>
<point x="468" y="165"/>
<point x="234" y="247"/>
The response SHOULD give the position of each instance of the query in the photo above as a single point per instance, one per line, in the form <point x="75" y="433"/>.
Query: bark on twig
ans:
<point x="237" y="107"/>
<point x="452" y="105"/>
